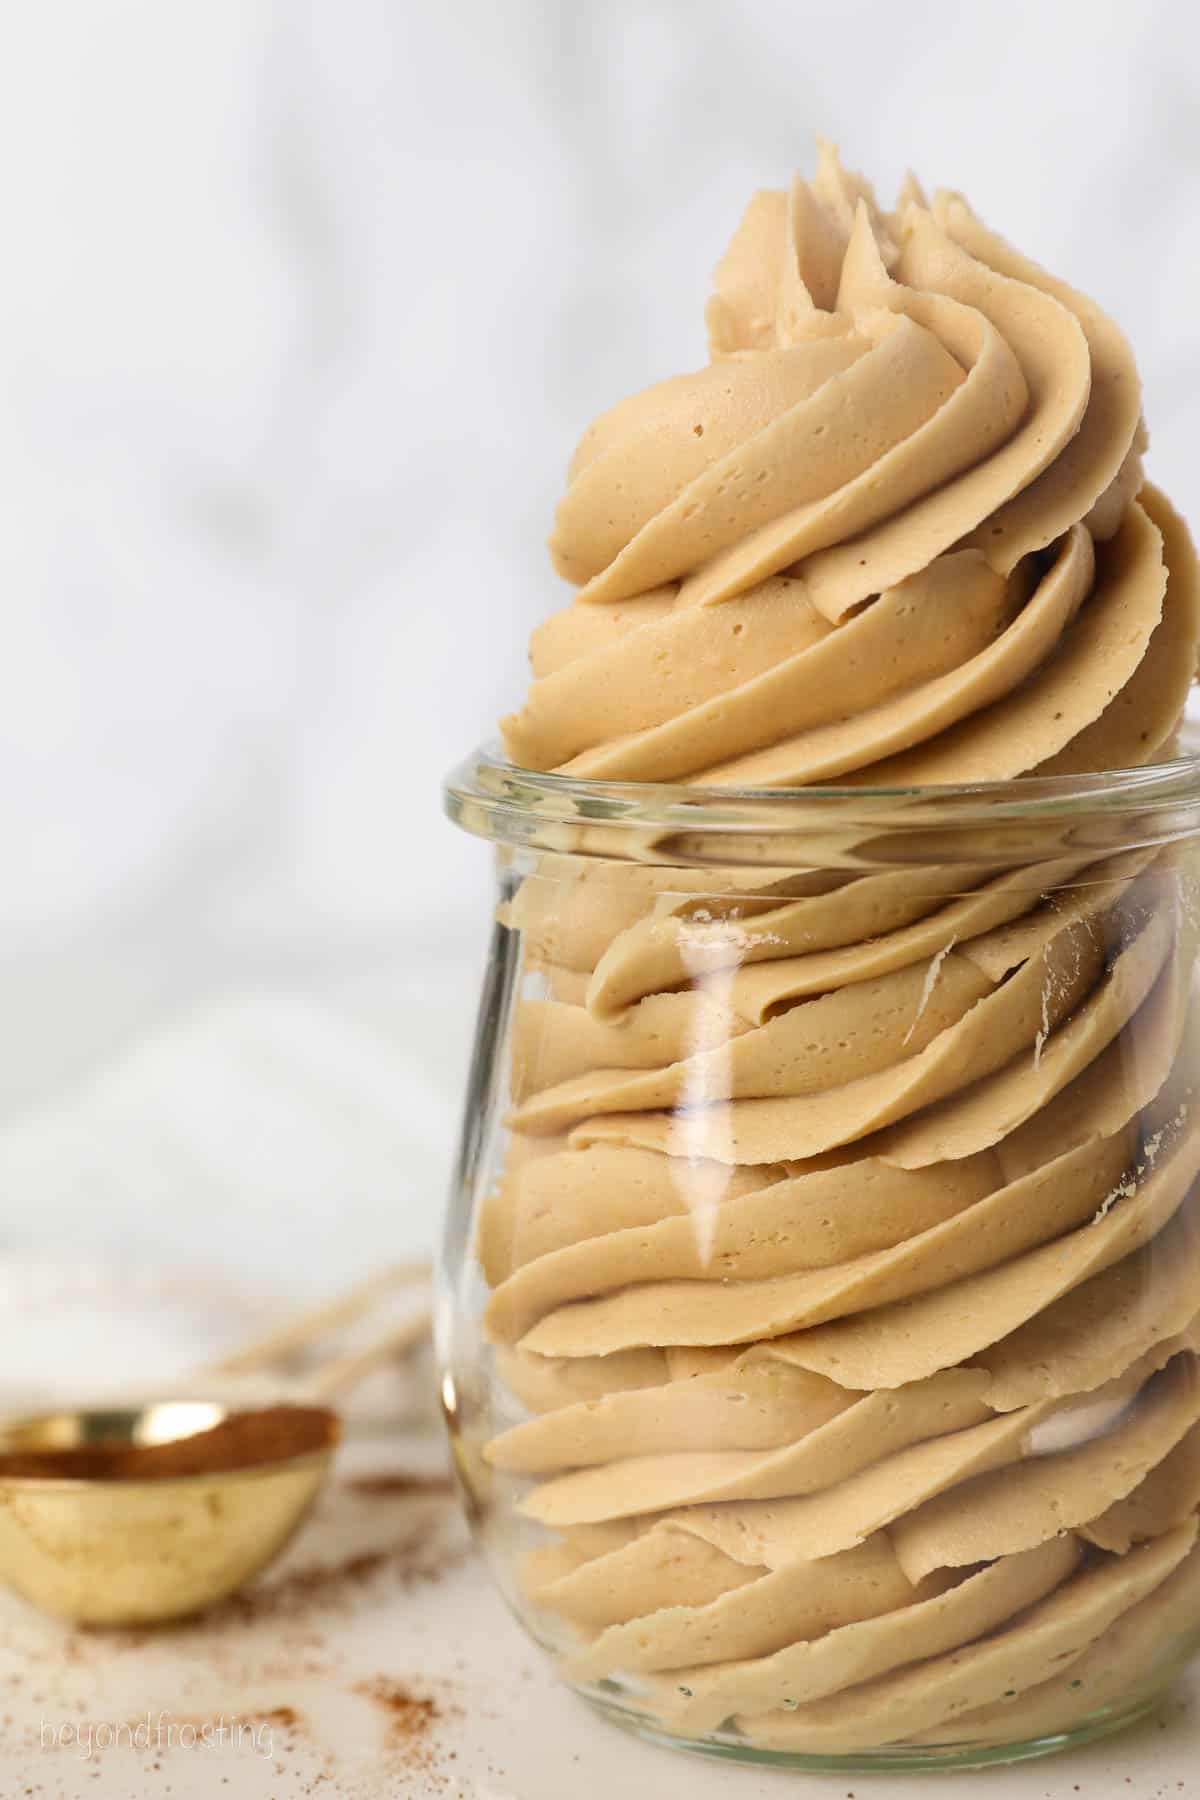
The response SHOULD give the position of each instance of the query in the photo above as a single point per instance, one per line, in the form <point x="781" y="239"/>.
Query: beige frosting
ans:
<point x="844" y="1268"/>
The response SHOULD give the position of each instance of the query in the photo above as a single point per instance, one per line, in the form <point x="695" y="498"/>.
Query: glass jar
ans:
<point x="821" y="1295"/>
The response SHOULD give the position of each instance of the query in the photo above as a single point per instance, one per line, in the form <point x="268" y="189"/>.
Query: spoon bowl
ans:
<point x="137" y="1515"/>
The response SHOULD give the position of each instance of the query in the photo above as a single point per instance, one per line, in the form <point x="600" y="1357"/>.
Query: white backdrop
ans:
<point x="302" y="307"/>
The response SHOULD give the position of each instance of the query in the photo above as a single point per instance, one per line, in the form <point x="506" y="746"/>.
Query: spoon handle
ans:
<point x="295" y="1333"/>
<point x="344" y="1371"/>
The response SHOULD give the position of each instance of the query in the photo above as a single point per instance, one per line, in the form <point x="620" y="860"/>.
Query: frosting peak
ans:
<point x="906" y="491"/>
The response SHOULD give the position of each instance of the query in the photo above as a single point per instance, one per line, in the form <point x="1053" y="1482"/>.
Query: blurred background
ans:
<point x="303" y="304"/>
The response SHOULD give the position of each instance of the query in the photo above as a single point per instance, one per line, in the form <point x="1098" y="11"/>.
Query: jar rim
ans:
<point x="492" y="797"/>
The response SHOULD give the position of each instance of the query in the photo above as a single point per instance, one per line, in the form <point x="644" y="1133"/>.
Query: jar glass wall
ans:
<point x="821" y="1298"/>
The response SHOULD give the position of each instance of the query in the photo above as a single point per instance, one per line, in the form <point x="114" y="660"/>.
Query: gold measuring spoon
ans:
<point x="134" y="1514"/>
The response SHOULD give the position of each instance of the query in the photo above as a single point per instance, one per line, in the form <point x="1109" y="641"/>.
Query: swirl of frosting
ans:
<point x="889" y="534"/>
<point x="845" y="1267"/>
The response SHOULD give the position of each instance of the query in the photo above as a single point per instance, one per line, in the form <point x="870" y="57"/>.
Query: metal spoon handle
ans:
<point x="295" y="1333"/>
<point x="344" y="1371"/>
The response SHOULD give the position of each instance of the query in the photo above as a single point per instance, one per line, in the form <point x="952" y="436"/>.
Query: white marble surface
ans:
<point x="303" y="304"/>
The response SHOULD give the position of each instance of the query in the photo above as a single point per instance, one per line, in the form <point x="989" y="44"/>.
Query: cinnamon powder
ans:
<point x="242" y="1441"/>
<point x="409" y="1715"/>
<point x="389" y="1483"/>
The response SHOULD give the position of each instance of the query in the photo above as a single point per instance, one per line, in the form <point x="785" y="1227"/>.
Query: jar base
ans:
<point x="727" y="1747"/>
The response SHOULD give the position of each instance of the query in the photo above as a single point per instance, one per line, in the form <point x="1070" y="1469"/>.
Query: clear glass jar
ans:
<point x="821" y="1294"/>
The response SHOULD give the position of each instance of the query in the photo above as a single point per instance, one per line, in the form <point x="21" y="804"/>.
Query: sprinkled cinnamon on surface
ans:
<point x="409" y="1714"/>
<point x="318" y="1576"/>
<point x="411" y="1744"/>
<point x="387" y="1483"/>
<point x="284" y="1716"/>
<point x="419" y="1559"/>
